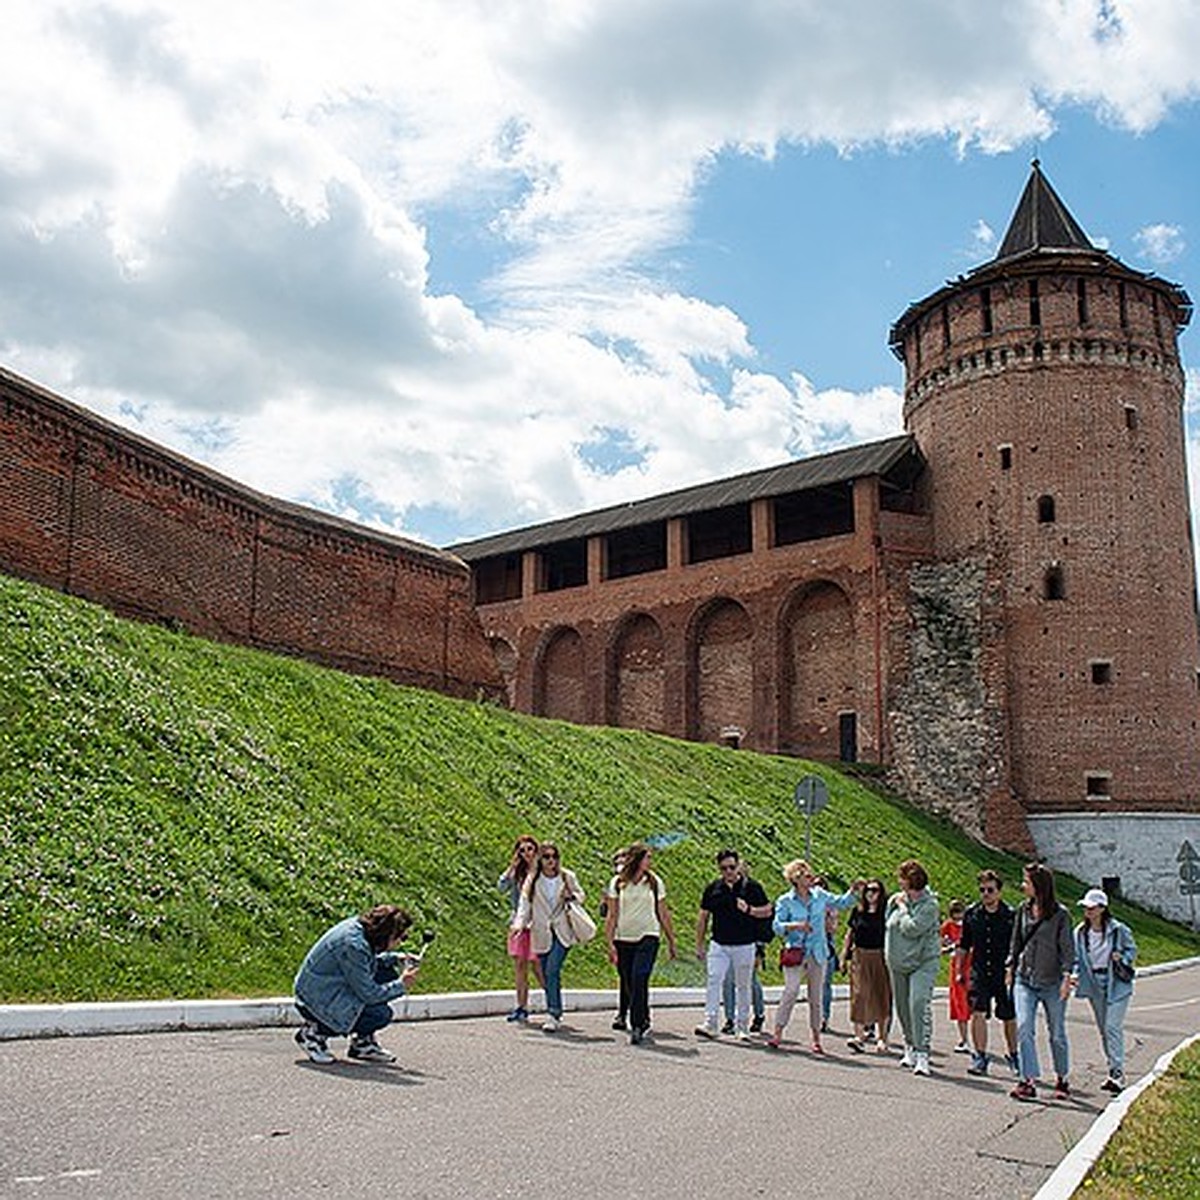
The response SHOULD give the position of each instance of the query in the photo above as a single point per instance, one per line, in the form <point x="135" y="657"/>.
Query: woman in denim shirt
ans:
<point x="800" y="922"/>
<point x="347" y="982"/>
<point x="1101" y="941"/>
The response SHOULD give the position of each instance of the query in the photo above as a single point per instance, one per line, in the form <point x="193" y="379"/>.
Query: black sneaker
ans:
<point x="727" y="1028"/>
<point x="756" y="1025"/>
<point x="369" y="1050"/>
<point x="619" y="1023"/>
<point x="1062" y="1089"/>
<point x="979" y="1064"/>
<point x="313" y="1044"/>
<point x="1113" y="1084"/>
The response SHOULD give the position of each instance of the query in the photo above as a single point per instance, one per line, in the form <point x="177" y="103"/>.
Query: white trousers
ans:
<point x="720" y="960"/>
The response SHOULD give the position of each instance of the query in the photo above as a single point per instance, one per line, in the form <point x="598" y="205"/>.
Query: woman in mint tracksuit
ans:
<point x="1103" y="946"/>
<point x="912" y="948"/>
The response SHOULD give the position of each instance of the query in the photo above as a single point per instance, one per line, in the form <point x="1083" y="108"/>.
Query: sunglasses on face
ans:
<point x="987" y="889"/>
<point x="549" y="857"/>
<point x="873" y="889"/>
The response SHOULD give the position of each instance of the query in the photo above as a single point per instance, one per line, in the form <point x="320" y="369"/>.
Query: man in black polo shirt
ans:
<point x="986" y="937"/>
<point x="737" y="905"/>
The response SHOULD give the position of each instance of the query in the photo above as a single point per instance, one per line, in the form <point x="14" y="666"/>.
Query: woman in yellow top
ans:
<point x="636" y="917"/>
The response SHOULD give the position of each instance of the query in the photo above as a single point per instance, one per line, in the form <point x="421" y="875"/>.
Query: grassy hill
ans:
<point x="182" y="818"/>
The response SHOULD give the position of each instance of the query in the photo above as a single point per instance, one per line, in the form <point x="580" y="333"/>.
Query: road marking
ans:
<point x="1173" y="1004"/>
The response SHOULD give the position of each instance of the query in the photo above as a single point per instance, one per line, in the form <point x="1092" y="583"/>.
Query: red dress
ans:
<point x="960" y="1004"/>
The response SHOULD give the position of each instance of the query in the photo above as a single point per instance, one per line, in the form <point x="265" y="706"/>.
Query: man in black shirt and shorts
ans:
<point x="737" y="905"/>
<point x="986" y="937"/>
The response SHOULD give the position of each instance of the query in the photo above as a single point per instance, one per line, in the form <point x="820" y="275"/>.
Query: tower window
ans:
<point x="1045" y="510"/>
<point x="1099" y="786"/>
<point x="1131" y="416"/>
<point x="1054" y="586"/>
<point x="1035" y="304"/>
<point x="1081" y="300"/>
<point x="1101" y="669"/>
<point x="985" y="308"/>
<point x="1006" y="458"/>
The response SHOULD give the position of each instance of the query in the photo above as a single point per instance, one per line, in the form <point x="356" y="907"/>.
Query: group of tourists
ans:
<point x="1005" y="962"/>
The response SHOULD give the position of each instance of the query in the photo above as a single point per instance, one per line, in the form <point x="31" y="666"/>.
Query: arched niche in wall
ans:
<point x="637" y="675"/>
<point x="559" y="677"/>
<point x="819" y="673"/>
<point x="720" y="671"/>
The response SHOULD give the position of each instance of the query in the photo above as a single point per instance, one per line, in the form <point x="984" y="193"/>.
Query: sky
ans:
<point x="448" y="267"/>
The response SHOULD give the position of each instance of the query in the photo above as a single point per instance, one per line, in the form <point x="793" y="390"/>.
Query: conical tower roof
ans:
<point x="1041" y="221"/>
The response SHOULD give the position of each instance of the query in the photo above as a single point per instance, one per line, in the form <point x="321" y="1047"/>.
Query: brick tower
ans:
<point x="1046" y="393"/>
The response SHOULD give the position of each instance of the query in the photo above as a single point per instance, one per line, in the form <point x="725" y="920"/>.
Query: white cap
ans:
<point x="1095" y="897"/>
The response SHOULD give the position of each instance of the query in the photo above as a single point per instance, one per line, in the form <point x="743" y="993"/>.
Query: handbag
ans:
<point x="1121" y="969"/>
<point x="791" y="956"/>
<point x="583" y="928"/>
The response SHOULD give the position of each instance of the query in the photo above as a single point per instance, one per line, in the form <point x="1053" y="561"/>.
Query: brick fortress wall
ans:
<point x="96" y="511"/>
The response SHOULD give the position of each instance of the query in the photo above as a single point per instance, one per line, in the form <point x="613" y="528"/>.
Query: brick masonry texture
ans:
<point x="98" y="512"/>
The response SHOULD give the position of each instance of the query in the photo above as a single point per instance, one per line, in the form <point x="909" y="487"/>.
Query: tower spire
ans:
<point x="1041" y="221"/>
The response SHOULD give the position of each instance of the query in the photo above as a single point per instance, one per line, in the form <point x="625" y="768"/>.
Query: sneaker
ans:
<point x="367" y="1049"/>
<point x="757" y="1024"/>
<point x="1062" y="1089"/>
<point x="742" y="1035"/>
<point x="1113" y="1084"/>
<point x="706" y="1031"/>
<point x="908" y="1059"/>
<point x="518" y="1014"/>
<point x="921" y="1063"/>
<point x="962" y="1048"/>
<point x="774" y="1041"/>
<point x="636" y="1036"/>
<point x="978" y="1065"/>
<point x="551" y="1024"/>
<point x="313" y="1044"/>
<point x="855" y="1045"/>
<point x="824" y="1026"/>
<point x="727" y="1027"/>
<point x="1013" y="1063"/>
<point x="619" y="1022"/>
<point x="1024" y="1091"/>
<point x="881" y="1047"/>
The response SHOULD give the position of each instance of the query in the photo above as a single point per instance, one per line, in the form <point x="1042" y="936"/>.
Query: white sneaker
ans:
<point x="742" y="1033"/>
<point x="551" y="1024"/>
<point x="367" y="1049"/>
<point x="920" y="1063"/>
<point x="962" y="1048"/>
<point x="706" y="1031"/>
<point x="908" y="1059"/>
<point x="314" y="1045"/>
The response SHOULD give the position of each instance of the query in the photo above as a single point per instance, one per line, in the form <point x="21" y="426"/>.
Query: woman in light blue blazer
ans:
<point x="1104" y="954"/>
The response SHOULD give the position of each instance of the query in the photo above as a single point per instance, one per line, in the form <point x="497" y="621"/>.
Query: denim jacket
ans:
<point x="790" y="907"/>
<point x="337" y="978"/>
<point x="1088" y="983"/>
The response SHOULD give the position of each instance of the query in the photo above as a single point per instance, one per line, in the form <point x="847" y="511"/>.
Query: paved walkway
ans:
<point x="478" y="1108"/>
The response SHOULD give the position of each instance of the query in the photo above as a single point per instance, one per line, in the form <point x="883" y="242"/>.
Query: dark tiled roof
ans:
<point x="1041" y="221"/>
<point x="896" y="454"/>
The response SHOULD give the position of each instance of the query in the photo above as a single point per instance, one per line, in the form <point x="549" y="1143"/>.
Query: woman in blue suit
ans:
<point x="1104" y="954"/>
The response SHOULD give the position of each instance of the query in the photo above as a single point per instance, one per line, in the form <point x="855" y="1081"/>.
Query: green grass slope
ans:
<point x="182" y="819"/>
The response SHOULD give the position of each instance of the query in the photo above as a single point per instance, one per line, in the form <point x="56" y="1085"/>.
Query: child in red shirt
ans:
<point x="960" y="972"/>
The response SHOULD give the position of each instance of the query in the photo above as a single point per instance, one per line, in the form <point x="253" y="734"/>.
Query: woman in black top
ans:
<point x="870" y="984"/>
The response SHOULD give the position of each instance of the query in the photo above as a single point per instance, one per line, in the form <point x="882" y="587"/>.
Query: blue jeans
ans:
<point x="729" y="999"/>
<point x="552" y="962"/>
<point x="1027" y="996"/>
<point x="1110" y="1020"/>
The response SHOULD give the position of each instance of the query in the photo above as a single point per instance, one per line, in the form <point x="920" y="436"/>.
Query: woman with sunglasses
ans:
<point x="520" y="866"/>
<point x="542" y="912"/>
<point x="870" y="983"/>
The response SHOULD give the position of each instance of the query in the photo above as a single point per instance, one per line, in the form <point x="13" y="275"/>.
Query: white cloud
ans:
<point x="212" y="224"/>
<point x="1161" y="244"/>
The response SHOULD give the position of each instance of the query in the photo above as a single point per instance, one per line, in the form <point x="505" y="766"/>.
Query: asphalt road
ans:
<point x="478" y="1108"/>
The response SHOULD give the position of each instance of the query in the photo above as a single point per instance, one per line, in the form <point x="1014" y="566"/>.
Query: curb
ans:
<point x="19" y="1021"/>
<point x="1073" y="1170"/>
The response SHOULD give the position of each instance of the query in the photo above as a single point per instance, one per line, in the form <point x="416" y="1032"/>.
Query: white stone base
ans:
<point x="1142" y="849"/>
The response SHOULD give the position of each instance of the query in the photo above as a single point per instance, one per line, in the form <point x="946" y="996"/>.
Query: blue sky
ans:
<point x="451" y="266"/>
